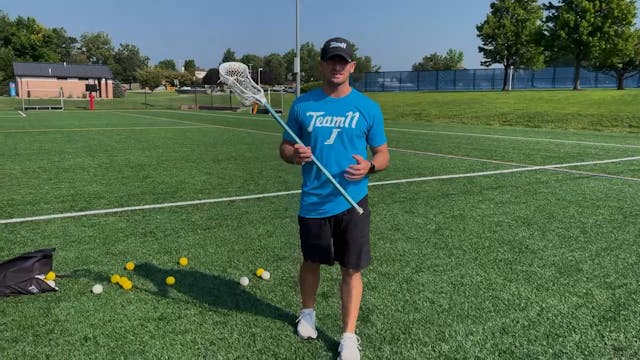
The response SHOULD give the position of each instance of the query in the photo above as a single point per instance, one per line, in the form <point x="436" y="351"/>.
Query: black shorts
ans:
<point x="343" y="238"/>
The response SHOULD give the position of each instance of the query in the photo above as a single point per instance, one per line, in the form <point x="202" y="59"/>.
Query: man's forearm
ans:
<point x="380" y="158"/>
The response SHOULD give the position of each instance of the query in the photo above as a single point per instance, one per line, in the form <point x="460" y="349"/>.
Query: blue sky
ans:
<point x="395" y="33"/>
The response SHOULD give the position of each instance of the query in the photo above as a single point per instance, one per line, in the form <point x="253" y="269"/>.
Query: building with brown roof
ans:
<point x="37" y="80"/>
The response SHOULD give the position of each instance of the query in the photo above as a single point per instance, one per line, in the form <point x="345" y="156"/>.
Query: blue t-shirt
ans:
<point x="335" y="129"/>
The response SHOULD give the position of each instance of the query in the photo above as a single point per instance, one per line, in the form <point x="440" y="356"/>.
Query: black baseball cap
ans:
<point x="337" y="46"/>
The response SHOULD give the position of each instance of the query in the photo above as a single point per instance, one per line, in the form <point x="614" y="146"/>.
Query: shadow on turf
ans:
<point x="218" y="292"/>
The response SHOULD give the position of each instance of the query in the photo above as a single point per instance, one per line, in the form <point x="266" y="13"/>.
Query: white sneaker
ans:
<point x="349" y="347"/>
<point x="307" y="324"/>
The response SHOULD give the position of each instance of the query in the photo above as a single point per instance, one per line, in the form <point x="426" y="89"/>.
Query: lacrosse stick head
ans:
<point x="236" y="76"/>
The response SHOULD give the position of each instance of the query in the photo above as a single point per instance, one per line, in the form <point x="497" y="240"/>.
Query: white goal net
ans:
<point x="43" y="99"/>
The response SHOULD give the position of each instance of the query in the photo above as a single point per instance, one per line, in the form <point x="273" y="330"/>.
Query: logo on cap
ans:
<point x="336" y="46"/>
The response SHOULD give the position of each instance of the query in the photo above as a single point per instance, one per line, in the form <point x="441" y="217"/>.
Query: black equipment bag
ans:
<point x="24" y="274"/>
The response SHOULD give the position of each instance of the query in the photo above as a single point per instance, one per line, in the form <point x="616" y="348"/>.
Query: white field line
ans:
<point x="203" y="125"/>
<point x="256" y="196"/>
<point x="518" y="164"/>
<point x="143" y="207"/>
<point x="197" y="123"/>
<point x="513" y="137"/>
<point x="186" y="203"/>
<point x="193" y="125"/>
<point x="279" y="134"/>
<point x="105" y="129"/>
<point x="520" y="169"/>
<point x="258" y="117"/>
<point x="23" y="114"/>
<point x="215" y="115"/>
<point x="187" y="112"/>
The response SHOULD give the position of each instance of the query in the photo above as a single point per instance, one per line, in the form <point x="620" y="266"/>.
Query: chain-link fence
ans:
<point x="486" y="79"/>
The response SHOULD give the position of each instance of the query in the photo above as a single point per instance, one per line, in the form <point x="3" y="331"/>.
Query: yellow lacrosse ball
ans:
<point x="130" y="265"/>
<point x="115" y="278"/>
<point x="127" y="285"/>
<point x="170" y="280"/>
<point x="183" y="261"/>
<point x="50" y="276"/>
<point x="259" y="272"/>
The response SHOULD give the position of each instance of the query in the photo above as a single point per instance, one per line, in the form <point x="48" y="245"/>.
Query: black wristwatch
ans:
<point x="372" y="167"/>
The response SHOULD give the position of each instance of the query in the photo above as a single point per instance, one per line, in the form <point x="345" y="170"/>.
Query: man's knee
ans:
<point x="351" y="273"/>
<point x="308" y="266"/>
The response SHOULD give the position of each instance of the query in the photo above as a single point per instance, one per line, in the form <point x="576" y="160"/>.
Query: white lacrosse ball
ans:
<point x="265" y="275"/>
<point x="97" y="289"/>
<point x="244" y="281"/>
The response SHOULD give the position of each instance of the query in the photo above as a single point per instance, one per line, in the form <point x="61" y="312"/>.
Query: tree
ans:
<point x="511" y="35"/>
<point x="558" y="61"/>
<point x="97" y="47"/>
<point x="167" y="64"/>
<point x="127" y="61"/>
<point x="118" y="91"/>
<point x="309" y="58"/>
<point x="289" y="58"/>
<point x="7" y="55"/>
<point x="77" y="57"/>
<point x="61" y="44"/>
<point x="568" y="27"/>
<point x="28" y="40"/>
<point x="6" y="26"/>
<point x="182" y="78"/>
<point x="432" y="61"/>
<point x="24" y="39"/>
<point x="228" y="56"/>
<point x="274" y="66"/>
<point x="151" y="77"/>
<point x="620" y="54"/>
<point x="190" y="67"/>
<point x="254" y="62"/>
<point x="364" y="64"/>
<point x="452" y="60"/>
<point x="6" y="64"/>
<point x="581" y="29"/>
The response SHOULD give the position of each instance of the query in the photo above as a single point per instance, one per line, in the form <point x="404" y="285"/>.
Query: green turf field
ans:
<point x="489" y="241"/>
<point x="593" y="109"/>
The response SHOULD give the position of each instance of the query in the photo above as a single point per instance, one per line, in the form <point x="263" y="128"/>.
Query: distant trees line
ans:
<point x="520" y="34"/>
<point x="600" y="35"/>
<point x="597" y="34"/>
<point x="24" y="39"/>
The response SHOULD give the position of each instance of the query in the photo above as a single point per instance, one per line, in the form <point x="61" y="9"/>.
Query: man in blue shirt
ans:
<point x="338" y="125"/>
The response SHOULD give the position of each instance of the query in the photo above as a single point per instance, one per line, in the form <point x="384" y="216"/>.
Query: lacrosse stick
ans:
<point x="236" y="76"/>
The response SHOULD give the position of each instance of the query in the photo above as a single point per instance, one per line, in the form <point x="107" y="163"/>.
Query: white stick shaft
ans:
<point x="313" y="158"/>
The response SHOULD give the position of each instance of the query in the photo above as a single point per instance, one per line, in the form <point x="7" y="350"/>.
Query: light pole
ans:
<point x="259" y="69"/>
<point x="250" y="72"/>
<point x="296" y="61"/>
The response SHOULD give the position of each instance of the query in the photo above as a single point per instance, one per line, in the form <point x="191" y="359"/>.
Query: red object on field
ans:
<point x="92" y="101"/>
